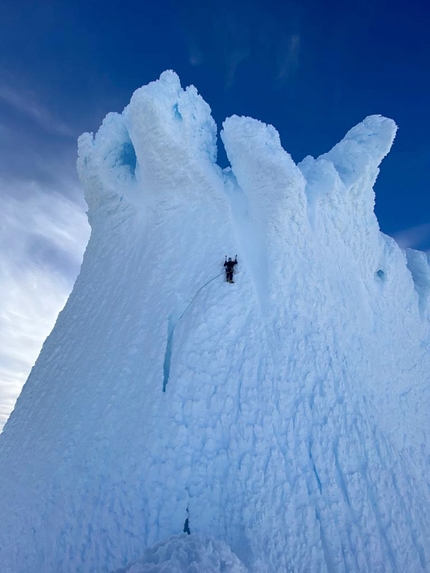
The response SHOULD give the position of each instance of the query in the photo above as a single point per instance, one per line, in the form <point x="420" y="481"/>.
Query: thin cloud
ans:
<point x="195" y="55"/>
<point x="289" y="60"/>
<point x="38" y="230"/>
<point x="414" y="237"/>
<point x="233" y="61"/>
<point x="26" y="104"/>
<point x="233" y="34"/>
<point x="28" y="155"/>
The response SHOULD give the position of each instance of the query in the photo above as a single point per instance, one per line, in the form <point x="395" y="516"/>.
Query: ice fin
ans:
<point x="339" y="186"/>
<point x="172" y="130"/>
<point x="106" y="162"/>
<point x="362" y="149"/>
<point x="267" y="174"/>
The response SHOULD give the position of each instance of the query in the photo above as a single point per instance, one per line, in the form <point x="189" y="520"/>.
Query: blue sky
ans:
<point x="313" y="69"/>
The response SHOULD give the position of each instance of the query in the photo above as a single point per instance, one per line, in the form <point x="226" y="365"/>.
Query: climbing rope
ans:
<point x="192" y="300"/>
<point x="166" y="366"/>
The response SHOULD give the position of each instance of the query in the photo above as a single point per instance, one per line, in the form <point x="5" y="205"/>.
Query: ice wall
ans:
<point x="284" y="415"/>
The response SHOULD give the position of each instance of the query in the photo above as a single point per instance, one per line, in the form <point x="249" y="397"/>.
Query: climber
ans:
<point x="229" y="269"/>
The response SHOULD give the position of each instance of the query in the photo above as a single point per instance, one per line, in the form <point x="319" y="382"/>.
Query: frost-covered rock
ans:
<point x="285" y="415"/>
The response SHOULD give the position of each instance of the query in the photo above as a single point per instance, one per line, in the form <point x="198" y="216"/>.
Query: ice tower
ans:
<point x="284" y="416"/>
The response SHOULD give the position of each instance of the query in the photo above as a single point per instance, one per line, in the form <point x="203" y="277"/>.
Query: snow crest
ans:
<point x="284" y="415"/>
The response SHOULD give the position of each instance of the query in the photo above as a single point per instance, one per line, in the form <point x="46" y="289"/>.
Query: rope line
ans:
<point x="166" y="366"/>
<point x="190" y="303"/>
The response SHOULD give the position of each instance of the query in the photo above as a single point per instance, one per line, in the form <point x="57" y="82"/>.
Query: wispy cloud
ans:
<point x="233" y="61"/>
<point x="42" y="239"/>
<point x="26" y="103"/>
<point x="240" y="31"/>
<point x="289" y="58"/>
<point x="27" y="155"/>
<point x="414" y="238"/>
<point x="195" y="55"/>
<point x="234" y="32"/>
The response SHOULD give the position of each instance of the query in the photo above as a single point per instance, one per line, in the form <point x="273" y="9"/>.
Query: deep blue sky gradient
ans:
<point x="313" y="69"/>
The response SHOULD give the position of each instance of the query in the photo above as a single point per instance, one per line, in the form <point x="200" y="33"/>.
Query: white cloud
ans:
<point x="195" y="57"/>
<point x="42" y="239"/>
<point x="234" y="59"/>
<point x="27" y="104"/>
<point x="413" y="237"/>
<point x="289" y="60"/>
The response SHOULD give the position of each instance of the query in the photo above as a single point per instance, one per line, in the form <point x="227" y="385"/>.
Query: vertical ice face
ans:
<point x="269" y="205"/>
<point x="418" y="264"/>
<point x="284" y="415"/>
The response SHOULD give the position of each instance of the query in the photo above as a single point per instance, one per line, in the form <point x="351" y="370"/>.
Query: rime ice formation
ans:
<point x="284" y="416"/>
<point x="187" y="554"/>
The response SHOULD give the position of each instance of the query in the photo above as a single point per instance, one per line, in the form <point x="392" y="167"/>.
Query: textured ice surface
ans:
<point x="294" y="422"/>
<point x="187" y="554"/>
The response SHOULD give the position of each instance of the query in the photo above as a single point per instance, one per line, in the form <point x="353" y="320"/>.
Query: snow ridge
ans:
<point x="285" y="416"/>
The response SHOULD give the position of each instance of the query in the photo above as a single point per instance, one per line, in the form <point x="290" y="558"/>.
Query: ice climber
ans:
<point x="229" y="269"/>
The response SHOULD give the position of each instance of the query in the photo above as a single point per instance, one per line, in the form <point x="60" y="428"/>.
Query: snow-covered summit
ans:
<point x="282" y="419"/>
